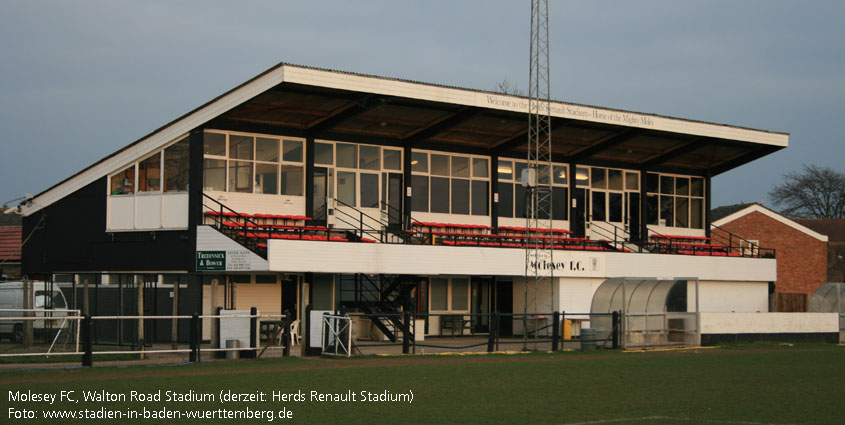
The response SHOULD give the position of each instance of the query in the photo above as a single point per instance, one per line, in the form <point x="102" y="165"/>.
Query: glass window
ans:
<point x="652" y="209"/>
<point x="480" y="168"/>
<point x="240" y="176"/>
<point x="681" y="212"/>
<point x="419" y="162"/>
<point x="543" y="173"/>
<point x="369" y="190"/>
<point x="560" y="203"/>
<point x="177" y="166"/>
<point x="323" y="153"/>
<point x="696" y="218"/>
<point x="347" y="155"/>
<point x="123" y="182"/>
<point x="681" y="186"/>
<point x="652" y="183"/>
<point x="667" y="185"/>
<point x="346" y="186"/>
<point x="214" y="175"/>
<point x="615" y="207"/>
<point x="479" y="197"/>
<point x="614" y="180"/>
<point x="632" y="181"/>
<point x="419" y="192"/>
<point x="460" y="293"/>
<point x="518" y="167"/>
<point x="460" y="166"/>
<point x="582" y="177"/>
<point x="240" y="278"/>
<point x="599" y="206"/>
<point x="697" y="187"/>
<point x="519" y="200"/>
<point x="267" y="149"/>
<point x="505" y="170"/>
<point x="292" y="150"/>
<point x="266" y="178"/>
<point x="321" y="292"/>
<point x="214" y="144"/>
<point x="560" y="174"/>
<point x="291" y="180"/>
<point x="599" y="177"/>
<point x="667" y="210"/>
<point x="505" y="199"/>
<point x="149" y="174"/>
<point x="440" y="195"/>
<point x="439" y="165"/>
<point x="240" y="147"/>
<point x="369" y="158"/>
<point x="392" y="159"/>
<point x="439" y="294"/>
<point x="460" y="196"/>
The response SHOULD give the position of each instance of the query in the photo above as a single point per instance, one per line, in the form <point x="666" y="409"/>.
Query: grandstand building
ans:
<point x="307" y="186"/>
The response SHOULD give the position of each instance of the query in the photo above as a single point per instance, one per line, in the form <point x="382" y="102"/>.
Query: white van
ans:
<point x="45" y="298"/>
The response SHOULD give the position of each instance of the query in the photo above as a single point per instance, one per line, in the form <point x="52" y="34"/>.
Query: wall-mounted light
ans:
<point x="414" y="162"/>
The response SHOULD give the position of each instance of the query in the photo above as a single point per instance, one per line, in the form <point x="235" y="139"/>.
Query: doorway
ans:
<point x="321" y="191"/>
<point x="504" y="306"/>
<point x="579" y="212"/>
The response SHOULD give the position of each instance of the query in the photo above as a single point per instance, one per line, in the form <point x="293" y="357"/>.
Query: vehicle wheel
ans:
<point x="17" y="334"/>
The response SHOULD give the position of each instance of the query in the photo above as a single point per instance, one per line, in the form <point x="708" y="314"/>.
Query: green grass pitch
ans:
<point x="762" y="384"/>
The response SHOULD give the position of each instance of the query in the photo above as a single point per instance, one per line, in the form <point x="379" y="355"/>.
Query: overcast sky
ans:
<point x="81" y="79"/>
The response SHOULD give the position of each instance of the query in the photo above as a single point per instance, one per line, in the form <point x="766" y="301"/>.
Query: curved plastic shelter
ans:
<point x="828" y="298"/>
<point x="654" y="312"/>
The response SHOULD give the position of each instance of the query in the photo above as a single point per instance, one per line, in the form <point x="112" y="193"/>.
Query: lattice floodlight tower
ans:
<point x="537" y="178"/>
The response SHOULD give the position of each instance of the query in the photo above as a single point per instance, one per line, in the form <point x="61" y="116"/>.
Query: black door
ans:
<point x="289" y="297"/>
<point x="579" y="213"/>
<point x="321" y="190"/>
<point x="634" y="216"/>
<point x="504" y="305"/>
<point x="394" y="200"/>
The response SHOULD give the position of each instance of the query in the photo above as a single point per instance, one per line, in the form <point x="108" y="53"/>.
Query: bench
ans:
<point x="453" y="322"/>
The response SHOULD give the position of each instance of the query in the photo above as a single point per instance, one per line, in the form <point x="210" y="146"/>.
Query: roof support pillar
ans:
<point x="195" y="192"/>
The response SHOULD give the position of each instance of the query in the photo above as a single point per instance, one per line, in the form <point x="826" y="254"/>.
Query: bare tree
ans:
<point x="506" y="87"/>
<point x="816" y="192"/>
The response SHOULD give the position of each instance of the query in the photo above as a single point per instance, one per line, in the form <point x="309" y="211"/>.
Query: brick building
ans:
<point x="802" y="252"/>
<point x="10" y="246"/>
<point x="834" y="229"/>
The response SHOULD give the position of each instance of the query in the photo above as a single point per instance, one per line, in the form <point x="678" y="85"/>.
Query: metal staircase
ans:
<point x="381" y="298"/>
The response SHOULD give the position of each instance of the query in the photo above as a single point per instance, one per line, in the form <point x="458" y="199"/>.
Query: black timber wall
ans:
<point x="70" y="236"/>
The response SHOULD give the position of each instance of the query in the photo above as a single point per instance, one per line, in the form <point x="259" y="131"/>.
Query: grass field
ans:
<point x="761" y="384"/>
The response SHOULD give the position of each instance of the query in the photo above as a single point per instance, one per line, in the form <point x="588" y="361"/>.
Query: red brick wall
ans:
<point x="801" y="258"/>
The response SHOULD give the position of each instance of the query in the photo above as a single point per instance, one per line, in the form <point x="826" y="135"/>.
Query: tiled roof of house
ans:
<point x="10" y="243"/>
<point x="834" y="228"/>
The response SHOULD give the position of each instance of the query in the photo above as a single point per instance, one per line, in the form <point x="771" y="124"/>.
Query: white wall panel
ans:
<point x="729" y="296"/>
<point x="744" y="323"/>
<point x="147" y="212"/>
<point x="256" y="203"/>
<point x="238" y="258"/>
<point x="121" y="213"/>
<point x="174" y="211"/>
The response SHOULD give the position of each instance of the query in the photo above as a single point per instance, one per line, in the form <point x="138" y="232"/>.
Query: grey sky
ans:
<point x="81" y="79"/>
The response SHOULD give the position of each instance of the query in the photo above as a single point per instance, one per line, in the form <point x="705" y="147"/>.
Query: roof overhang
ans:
<point x="310" y="102"/>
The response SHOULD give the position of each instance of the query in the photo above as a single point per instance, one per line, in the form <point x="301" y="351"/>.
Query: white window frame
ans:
<point x="335" y="169"/>
<point x="471" y="178"/>
<point x="449" y="307"/>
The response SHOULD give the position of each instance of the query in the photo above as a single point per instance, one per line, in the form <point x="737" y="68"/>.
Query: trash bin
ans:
<point x="233" y="343"/>
<point x="588" y="339"/>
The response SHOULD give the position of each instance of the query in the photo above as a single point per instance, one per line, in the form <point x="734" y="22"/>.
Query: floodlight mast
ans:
<point x="537" y="179"/>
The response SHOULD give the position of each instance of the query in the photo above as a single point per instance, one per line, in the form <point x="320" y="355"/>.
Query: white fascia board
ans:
<point x="773" y="215"/>
<point x="156" y="140"/>
<point x="377" y="85"/>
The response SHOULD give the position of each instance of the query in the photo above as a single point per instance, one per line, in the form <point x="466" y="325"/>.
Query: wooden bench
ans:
<point x="453" y="322"/>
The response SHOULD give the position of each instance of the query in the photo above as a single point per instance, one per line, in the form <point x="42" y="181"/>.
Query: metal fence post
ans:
<point x="555" y="330"/>
<point x="406" y="333"/>
<point x="491" y="338"/>
<point x="194" y="338"/>
<point x="253" y="334"/>
<point x="88" y="356"/>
